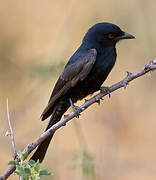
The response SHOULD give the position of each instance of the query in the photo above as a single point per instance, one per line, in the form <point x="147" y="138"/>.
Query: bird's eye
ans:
<point x="111" y="35"/>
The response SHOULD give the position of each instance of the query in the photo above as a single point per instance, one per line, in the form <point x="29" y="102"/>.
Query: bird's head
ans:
<point x="105" y="34"/>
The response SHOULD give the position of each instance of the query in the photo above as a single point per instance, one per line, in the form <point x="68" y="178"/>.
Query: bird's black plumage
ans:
<point x="84" y="74"/>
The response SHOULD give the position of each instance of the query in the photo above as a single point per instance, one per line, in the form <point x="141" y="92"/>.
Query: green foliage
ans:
<point x="28" y="170"/>
<point x="84" y="159"/>
<point x="88" y="164"/>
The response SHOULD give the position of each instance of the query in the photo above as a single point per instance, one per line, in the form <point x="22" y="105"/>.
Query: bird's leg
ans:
<point x="105" y="89"/>
<point x="75" y="109"/>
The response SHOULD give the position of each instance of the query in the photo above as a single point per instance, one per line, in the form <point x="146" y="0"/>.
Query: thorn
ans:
<point x="151" y="62"/>
<point x="102" y="98"/>
<point x="105" y="89"/>
<point x="124" y="84"/>
<point x="128" y="73"/>
<point x="98" y="101"/>
<point x="85" y="100"/>
<point x="146" y="67"/>
<point x="66" y="115"/>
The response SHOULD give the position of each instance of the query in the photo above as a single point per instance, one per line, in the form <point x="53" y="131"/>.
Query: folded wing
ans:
<point x="71" y="75"/>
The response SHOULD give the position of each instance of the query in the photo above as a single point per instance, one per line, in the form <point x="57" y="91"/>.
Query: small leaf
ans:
<point x="27" y="172"/>
<point x="45" y="173"/>
<point x="24" y="155"/>
<point x="35" y="176"/>
<point x="13" y="163"/>
<point x="27" y="165"/>
<point x="20" y="170"/>
<point x="16" y="172"/>
<point x="37" y="167"/>
<point x="19" y="154"/>
<point x="32" y="163"/>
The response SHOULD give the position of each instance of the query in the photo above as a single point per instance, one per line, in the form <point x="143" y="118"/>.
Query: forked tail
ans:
<point x="59" y="110"/>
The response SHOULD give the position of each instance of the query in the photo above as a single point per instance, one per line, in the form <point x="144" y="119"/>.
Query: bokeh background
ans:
<point x="113" y="141"/>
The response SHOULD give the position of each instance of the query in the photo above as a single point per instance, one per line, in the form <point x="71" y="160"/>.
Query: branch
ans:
<point x="11" y="131"/>
<point x="95" y="99"/>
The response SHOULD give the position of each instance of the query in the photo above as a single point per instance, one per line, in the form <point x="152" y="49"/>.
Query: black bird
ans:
<point x="84" y="74"/>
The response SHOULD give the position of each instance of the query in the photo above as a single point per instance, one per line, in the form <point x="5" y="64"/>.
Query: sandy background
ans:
<point x="113" y="141"/>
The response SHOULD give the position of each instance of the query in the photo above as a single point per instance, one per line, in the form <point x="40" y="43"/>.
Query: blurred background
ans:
<point x="113" y="141"/>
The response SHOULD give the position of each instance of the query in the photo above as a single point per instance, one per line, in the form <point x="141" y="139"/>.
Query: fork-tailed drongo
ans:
<point x="84" y="74"/>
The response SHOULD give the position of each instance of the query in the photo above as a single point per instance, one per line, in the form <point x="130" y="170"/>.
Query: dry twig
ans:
<point x="11" y="131"/>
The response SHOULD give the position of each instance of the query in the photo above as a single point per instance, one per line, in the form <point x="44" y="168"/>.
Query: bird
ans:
<point x="83" y="75"/>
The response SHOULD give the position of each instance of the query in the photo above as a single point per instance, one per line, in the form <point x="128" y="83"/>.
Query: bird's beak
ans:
<point x="125" y="36"/>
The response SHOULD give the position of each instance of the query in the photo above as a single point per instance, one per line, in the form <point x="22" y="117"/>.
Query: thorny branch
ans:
<point x="95" y="99"/>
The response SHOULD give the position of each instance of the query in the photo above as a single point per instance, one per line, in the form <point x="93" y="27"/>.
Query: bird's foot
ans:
<point x="105" y="89"/>
<point x="76" y="109"/>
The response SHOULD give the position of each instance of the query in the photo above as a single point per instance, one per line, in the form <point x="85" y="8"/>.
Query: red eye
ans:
<point x="111" y="36"/>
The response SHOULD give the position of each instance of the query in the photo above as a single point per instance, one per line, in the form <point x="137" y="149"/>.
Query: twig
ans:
<point x="11" y="131"/>
<point x="130" y="76"/>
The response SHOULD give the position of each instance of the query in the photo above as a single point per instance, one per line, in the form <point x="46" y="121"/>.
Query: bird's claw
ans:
<point x="105" y="89"/>
<point x="76" y="109"/>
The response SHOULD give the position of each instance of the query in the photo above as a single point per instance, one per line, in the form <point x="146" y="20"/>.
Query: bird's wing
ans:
<point x="71" y="75"/>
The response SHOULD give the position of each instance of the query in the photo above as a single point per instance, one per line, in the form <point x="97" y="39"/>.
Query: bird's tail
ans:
<point x="42" y="149"/>
<point x="59" y="110"/>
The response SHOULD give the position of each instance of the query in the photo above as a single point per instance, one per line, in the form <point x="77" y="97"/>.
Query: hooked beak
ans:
<point x="125" y="36"/>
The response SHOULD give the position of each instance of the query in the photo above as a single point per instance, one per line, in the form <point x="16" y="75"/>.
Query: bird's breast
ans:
<point x="104" y="62"/>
